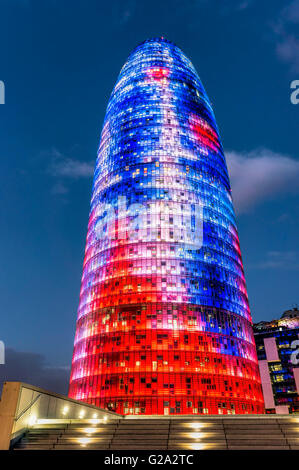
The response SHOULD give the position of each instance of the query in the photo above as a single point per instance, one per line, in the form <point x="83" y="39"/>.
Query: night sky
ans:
<point x="59" y="60"/>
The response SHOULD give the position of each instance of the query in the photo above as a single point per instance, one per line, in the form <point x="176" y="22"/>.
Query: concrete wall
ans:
<point x="266" y="384"/>
<point x="271" y="350"/>
<point x="22" y="405"/>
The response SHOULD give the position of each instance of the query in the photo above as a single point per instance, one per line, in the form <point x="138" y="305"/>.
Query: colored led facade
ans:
<point x="163" y="324"/>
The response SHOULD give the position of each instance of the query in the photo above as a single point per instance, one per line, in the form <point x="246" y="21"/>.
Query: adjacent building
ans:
<point x="163" y="325"/>
<point x="277" y="345"/>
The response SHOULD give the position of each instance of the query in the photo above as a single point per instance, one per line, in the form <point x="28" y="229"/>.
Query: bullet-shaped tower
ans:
<point x="164" y="325"/>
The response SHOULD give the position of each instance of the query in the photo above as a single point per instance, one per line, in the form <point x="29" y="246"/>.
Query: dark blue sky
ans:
<point x="59" y="60"/>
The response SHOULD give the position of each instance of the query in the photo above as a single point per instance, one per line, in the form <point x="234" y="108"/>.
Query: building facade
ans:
<point x="163" y="325"/>
<point x="277" y="345"/>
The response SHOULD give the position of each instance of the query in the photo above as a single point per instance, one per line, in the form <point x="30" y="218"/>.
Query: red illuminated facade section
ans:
<point x="163" y="324"/>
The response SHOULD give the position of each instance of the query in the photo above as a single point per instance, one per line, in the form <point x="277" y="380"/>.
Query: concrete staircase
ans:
<point x="163" y="433"/>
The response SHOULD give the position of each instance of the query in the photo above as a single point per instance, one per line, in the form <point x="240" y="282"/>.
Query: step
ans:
<point x="40" y="446"/>
<point x="137" y="447"/>
<point x="257" y="447"/>
<point x="37" y="441"/>
<point x="197" y="446"/>
<point x="78" y="447"/>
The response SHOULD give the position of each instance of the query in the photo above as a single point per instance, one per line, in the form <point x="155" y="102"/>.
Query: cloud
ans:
<point x="260" y="175"/>
<point x="59" y="188"/>
<point x="32" y="368"/>
<point x="279" y="260"/>
<point x="243" y="5"/>
<point x="66" y="167"/>
<point x="291" y="12"/>
<point x="283" y="218"/>
<point x="287" y="36"/>
<point x="123" y="10"/>
<point x="230" y="6"/>
<point x="288" y="51"/>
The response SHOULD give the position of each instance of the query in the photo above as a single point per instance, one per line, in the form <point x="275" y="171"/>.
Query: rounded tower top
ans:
<point x="158" y="79"/>
<point x="159" y="48"/>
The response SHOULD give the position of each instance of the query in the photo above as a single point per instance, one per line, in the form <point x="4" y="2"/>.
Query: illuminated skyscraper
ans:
<point x="163" y="325"/>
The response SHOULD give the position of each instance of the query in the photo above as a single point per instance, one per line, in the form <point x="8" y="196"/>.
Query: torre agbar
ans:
<point x="163" y="325"/>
